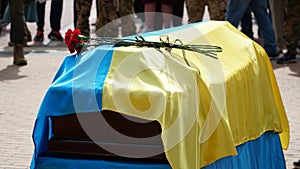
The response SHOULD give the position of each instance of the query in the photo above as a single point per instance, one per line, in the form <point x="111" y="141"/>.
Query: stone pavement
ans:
<point x="22" y="90"/>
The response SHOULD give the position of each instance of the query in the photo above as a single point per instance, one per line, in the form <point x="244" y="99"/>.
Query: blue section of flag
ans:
<point x="76" y="88"/>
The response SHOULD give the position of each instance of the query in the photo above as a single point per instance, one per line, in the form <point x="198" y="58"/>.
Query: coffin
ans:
<point x="180" y="108"/>
<point x="70" y="138"/>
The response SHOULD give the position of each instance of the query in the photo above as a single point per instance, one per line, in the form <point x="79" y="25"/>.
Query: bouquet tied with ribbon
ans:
<point x="76" y="42"/>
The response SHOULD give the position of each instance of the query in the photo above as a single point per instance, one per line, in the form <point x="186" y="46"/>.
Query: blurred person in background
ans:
<point x="291" y="32"/>
<point x="83" y="10"/>
<point x="278" y="17"/>
<point x="178" y="9"/>
<point x="237" y="8"/>
<point x="150" y="8"/>
<point x="139" y="12"/>
<point x="246" y="24"/>
<point x="196" y="8"/>
<point x="30" y="14"/>
<point x="109" y="12"/>
<point x="18" y="30"/>
<point x="55" y="19"/>
<point x="3" y="4"/>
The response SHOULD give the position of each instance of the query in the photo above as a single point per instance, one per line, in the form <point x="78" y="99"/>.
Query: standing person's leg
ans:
<point x="195" y="10"/>
<point x="83" y="12"/>
<point x="97" y="8"/>
<point x="40" y="7"/>
<point x="106" y="25"/>
<point x="291" y="32"/>
<point x="246" y="24"/>
<point x="277" y="12"/>
<point x="55" y="20"/>
<point x="217" y="9"/>
<point x="127" y="17"/>
<point x="235" y="11"/>
<point x="158" y="19"/>
<point x="3" y="5"/>
<point x="75" y="15"/>
<point x="178" y="7"/>
<point x="167" y="13"/>
<point x="259" y="8"/>
<point x="18" y="32"/>
<point x="139" y="9"/>
<point x="150" y="9"/>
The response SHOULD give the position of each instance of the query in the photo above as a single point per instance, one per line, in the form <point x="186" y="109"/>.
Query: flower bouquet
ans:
<point x="76" y="42"/>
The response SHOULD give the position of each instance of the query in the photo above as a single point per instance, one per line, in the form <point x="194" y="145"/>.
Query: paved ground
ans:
<point x="23" y="88"/>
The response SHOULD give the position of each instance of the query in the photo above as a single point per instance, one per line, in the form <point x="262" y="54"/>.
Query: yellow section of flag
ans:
<point x="206" y="107"/>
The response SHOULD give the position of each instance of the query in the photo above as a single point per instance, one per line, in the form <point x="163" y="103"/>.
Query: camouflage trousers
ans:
<point x="291" y="33"/>
<point x="216" y="9"/>
<point x="110" y="11"/>
<point x="18" y="25"/>
<point x="83" y="8"/>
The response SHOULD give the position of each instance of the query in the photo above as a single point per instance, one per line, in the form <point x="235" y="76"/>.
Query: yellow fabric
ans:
<point x="205" y="109"/>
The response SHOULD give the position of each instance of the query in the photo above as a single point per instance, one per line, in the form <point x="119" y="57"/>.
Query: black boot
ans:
<point x="19" y="58"/>
<point x="297" y="164"/>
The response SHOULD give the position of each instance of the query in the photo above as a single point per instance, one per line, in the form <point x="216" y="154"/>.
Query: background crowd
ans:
<point x="277" y="20"/>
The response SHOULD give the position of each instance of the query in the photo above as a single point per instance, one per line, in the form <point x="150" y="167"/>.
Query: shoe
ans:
<point x="55" y="36"/>
<point x="11" y="43"/>
<point x="288" y="57"/>
<point x="19" y="58"/>
<point x="297" y="164"/>
<point x="39" y="36"/>
<point x="273" y="55"/>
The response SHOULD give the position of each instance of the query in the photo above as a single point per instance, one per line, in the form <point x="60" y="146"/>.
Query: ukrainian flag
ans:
<point x="206" y="106"/>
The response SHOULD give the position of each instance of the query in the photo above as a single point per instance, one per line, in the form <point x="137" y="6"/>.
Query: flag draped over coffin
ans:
<point x="206" y="106"/>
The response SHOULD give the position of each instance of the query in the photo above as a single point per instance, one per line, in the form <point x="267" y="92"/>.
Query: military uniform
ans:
<point x="291" y="32"/>
<point x="18" y="31"/>
<point x="109" y="9"/>
<point x="195" y="9"/>
<point x="83" y="8"/>
<point x="278" y="17"/>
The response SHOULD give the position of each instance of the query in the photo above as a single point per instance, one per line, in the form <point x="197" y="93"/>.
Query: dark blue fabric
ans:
<point x="236" y="9"/>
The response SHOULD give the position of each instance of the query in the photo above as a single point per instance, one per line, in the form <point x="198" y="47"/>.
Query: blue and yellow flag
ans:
<point x="206" y="106"/>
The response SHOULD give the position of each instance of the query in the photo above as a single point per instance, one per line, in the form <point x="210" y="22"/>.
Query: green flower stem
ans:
<point x="208" y="50"/>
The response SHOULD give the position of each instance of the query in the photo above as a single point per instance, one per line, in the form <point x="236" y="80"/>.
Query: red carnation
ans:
<point x="76" y="32"/>
<point x="68" y="35"/>
<point x="74" y="40"/>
